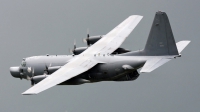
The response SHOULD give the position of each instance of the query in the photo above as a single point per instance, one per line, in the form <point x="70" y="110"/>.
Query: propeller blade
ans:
<point x="88" y="43"/>
<point x="70" y="51"/>
<point x="33" y="73"/>
<point x="28" y="78"/>
<point x="88" y="35"/>
<point x="50" y="65"/>
<point x="85" y="40"/>
<point x="46" y="71"/>
<point x="74" y="44"/>
<point x="32" y="82"/>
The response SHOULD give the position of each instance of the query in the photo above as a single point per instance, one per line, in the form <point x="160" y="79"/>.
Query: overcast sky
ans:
<point x="29" y="28"/>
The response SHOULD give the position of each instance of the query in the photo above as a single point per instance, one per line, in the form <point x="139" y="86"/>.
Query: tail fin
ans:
<point x="161" y="40"/>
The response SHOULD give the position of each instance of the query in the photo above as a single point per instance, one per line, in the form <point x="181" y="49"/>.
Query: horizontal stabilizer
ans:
<point x="181" y="45"/>
<point x="153" y="63"/>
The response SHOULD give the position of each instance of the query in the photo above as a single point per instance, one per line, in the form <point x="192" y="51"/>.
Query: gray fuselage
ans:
<point x="112" y="68"/>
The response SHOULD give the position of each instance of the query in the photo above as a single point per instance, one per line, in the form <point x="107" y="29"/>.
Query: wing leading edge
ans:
<point x="83" y="62"/>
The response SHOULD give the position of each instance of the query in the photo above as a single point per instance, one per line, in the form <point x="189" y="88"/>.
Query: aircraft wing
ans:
<point x="86" y="60"/>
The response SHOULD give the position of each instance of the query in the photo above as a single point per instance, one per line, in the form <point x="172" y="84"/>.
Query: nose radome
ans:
<point x="14" y="71"/>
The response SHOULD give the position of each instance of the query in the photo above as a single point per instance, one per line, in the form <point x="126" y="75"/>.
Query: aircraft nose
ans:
<point x="14" y="71"/>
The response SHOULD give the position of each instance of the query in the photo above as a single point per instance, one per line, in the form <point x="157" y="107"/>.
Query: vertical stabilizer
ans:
<point x="161" y="40"/>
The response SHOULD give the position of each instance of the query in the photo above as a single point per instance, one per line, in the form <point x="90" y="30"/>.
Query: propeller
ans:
<point x="74" y="44"/>
<point x="46" y="71"/>
<point x="31" y="78"/>
<point x="72" y="50"/>
<point x="21" y="73"/>
<point x="32" y="82"/>
<point x="86" y="40"/>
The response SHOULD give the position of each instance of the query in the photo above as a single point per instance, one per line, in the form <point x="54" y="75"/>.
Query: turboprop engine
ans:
<point x="129" y="76"/>
<point x="92" y="39"/>
<point x="53" y="69"/>
<point x="36" y="79"/>
<point x="78" y="50"/>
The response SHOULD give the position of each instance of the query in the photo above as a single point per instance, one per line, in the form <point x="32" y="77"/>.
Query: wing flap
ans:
<point x="154" y="63"/>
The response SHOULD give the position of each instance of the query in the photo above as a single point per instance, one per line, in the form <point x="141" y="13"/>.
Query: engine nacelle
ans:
<point x="93" y="39"/>
<point x="129" y="76"/>
<point x="39" y="78"/>
<point x="120" y="51"/>
<point x="79" y="50"/>
<point x="75" y="81"/>
<point x="53" y="69"/>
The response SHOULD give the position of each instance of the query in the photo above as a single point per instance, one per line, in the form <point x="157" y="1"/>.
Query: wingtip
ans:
<point x="136" y="15"/>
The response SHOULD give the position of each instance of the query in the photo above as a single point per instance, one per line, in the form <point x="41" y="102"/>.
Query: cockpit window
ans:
<point x="23" y="63"/>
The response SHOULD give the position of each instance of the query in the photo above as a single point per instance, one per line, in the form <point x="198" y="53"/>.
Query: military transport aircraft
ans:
<point x="103" y="60"/>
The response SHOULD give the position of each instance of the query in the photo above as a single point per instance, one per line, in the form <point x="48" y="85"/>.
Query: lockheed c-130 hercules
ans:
<point x="103" y="60"/>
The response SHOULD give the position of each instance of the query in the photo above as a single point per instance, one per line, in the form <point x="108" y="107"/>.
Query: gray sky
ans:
<point x="38" y="27"/>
